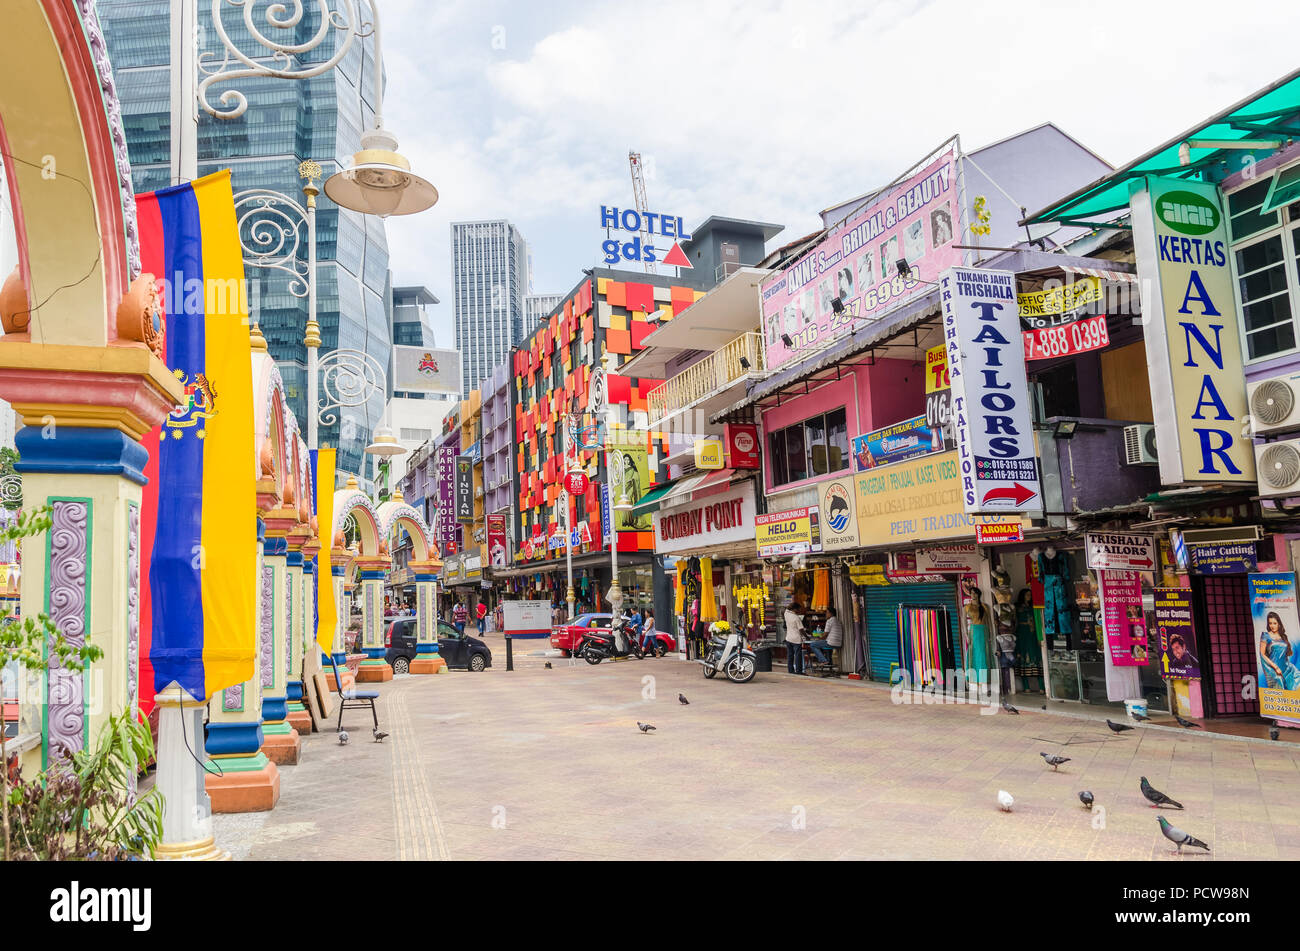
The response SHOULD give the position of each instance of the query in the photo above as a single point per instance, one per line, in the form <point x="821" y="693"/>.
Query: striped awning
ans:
<point x="1119" y="277"/>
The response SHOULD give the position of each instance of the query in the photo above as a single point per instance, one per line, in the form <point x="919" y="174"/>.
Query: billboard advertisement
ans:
<point x="446" y="469"/>
<point x="990" y="391"/>
<point x="839" y="517"/>
<point x="795" y="532"/>
<point x="1273" y="609"/>
<point x="917" y="219"/>
<point x="905" y="440"/>
<point x="1194" y="360"/>
<point x="498" y="548"/>
<point x="1123" y="618"/>
<point x="1174" y="623"/>
<point x="464" y="489"/>
<point x="629" y="476"/>
<point x="426" y="370"/>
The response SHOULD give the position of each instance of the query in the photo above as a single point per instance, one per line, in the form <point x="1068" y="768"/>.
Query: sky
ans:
<point x="771" y="109"/>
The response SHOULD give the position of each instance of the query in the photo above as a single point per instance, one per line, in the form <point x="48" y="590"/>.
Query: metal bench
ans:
<point x="350" y="698"/>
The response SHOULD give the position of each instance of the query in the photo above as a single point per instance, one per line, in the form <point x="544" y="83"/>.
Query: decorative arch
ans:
<point x="352" y="501"/>
<point x="68" y="174"/>
<point x="271" y="421"/>
<point x="397" y="512"/>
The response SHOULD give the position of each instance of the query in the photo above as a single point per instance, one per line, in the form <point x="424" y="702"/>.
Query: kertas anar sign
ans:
<point x="990" y="393"/>
<point x="1193" y="351"/>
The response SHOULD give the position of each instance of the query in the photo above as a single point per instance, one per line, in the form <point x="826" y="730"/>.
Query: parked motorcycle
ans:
<point x="598" y="645"/>
<point x="728" y="651"/>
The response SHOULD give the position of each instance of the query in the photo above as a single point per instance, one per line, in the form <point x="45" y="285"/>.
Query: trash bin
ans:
<point x="763" y="659"/>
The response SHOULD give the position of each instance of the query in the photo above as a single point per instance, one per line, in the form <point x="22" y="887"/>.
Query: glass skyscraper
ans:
<point x="287" y="121"/>
<point x="489" y="276"/>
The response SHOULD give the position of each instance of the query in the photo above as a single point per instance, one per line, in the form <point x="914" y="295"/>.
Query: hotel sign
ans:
<point x="1180" y="237"/>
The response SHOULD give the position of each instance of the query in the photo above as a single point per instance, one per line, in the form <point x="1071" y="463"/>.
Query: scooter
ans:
<point x="621" y="641"/>
<point x="729" y="654"/>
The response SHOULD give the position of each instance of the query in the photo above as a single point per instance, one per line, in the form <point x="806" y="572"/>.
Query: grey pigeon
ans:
<point x="1140" y="717"/>
<point x="1186" y="724"/>
<point x="1009" y="708"/>
<point x="644" y="727"/>
<point x="1156" y="797"/>
<point x="1274" y="733"/>
<point x="1085" y="797"/>
<point x="1054" y="761"/>
<point x="681" y="698"/>
<point x="379" y="735"/>
<point x="1118" y="727"/>
<point x="343" y="738"/>
<point x="1179" y="837"/>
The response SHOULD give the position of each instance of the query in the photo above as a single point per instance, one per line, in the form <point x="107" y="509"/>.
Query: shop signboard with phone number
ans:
<point x="1046" y="343"/>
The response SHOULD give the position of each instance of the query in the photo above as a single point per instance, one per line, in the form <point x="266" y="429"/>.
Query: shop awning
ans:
<point x="1118" y="276"/>
<point x="1270" y="114"/>
<point x="718" y="480"/>
<point x="650" y="501"/>
<point x="681" y="491"/>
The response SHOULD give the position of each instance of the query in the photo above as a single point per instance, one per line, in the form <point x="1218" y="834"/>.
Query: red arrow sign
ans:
<point x="677" y="257"/>
<point x="1018" y="495"/>
<point x="1145" y="562"/>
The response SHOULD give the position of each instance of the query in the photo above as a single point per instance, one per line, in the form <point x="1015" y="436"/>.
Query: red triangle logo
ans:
<point x="677" y="257"/>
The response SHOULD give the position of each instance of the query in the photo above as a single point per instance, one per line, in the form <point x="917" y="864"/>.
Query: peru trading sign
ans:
<point x="990" y="393"/>
<point x="1193" y="351"/>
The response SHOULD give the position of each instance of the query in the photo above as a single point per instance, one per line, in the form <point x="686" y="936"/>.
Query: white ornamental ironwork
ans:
<point x="271" y="235"/>
<point x="347" y="378"/>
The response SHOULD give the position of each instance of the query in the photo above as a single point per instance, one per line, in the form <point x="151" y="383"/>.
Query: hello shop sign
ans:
<point x="712" y="520"/>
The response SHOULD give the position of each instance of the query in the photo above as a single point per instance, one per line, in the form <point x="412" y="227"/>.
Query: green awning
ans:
<point x="650" y="501"/>
<point x="1271" y="113"/>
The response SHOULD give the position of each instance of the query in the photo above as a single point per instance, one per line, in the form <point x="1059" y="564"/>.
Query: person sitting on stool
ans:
<point x="822" y="646"/>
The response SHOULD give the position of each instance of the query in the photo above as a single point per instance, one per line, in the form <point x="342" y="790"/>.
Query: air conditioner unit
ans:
<point x="1277" y="465"/>
<point x="1274" y="404"/>
<point x="1140" y="445"/>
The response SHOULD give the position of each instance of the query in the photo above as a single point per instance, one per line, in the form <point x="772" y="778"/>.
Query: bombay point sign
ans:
<point x="1193" y="350"/>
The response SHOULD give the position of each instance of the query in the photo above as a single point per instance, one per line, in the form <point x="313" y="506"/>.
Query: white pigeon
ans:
<point x="1005" y="802"/>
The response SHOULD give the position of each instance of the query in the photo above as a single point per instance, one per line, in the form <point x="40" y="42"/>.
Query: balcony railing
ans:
<point x="715" y="372"/>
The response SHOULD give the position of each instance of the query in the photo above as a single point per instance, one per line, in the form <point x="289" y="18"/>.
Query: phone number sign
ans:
<point x="1045" y="343"/>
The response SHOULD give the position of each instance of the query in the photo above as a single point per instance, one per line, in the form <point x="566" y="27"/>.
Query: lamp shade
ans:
<point x="380" y="181"/>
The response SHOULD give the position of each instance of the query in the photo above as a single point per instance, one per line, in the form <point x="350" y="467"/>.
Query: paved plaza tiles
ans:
<point x="549" y="764"/>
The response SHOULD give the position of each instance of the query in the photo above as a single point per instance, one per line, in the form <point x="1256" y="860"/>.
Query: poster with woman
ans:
<point x="629" y="475"/>
<point x="1277" y="631"/>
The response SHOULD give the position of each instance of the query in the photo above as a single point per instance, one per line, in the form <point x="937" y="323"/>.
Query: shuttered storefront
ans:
<point x="882" y="603"/>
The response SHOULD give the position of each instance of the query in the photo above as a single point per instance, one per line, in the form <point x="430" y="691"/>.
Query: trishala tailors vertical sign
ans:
<point x="990" y="393"/>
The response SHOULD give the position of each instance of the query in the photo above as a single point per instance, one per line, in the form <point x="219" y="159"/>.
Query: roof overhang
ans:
<point x="1270" y="115"/>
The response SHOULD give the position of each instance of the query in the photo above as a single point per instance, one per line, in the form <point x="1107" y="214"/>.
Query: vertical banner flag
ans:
<point x="1277" y="632"/>
<point x="464" y="489"/>
<point x="199" y="507"/>
<point x="1180" y="238"/>
<point x="322" y="473"/>
<point x="990" y="392"/>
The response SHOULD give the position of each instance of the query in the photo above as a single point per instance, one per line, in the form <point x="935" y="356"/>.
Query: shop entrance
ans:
<point x="883" y="604"/>
<point x="1228" y="653"/>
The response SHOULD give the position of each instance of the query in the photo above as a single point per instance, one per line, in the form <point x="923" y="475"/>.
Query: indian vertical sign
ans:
<point x="1193" y="351"/>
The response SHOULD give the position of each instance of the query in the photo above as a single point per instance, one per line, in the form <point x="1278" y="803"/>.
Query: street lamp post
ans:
<point x="570" y="596"/>
<point x="615" y="596"/>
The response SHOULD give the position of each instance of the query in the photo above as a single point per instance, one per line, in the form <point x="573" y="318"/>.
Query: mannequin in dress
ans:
<point x="1054" y="572"/>
<point x="977" y="618"/>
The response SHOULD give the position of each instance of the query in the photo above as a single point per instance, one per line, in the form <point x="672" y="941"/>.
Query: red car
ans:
<point x="567" y="637"/>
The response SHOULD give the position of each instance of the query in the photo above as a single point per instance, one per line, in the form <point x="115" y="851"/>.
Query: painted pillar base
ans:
<point x="428" y="664"/>
<point x="205" y="850"/>
<point x="247" y="784"/>
<point x="281" y="743"/>
<point x="374" y="672"/>
<point x="299" y="718"/>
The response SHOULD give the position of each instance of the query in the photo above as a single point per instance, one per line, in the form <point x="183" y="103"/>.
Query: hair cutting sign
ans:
<point x="990" y="392"/>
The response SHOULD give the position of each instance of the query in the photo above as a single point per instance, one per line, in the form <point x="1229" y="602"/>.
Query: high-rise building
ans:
<point x="287" y="122"/>
<point x="412" y="324"/>
<point x="489" y="274"/>
<point x="537" y="307"/>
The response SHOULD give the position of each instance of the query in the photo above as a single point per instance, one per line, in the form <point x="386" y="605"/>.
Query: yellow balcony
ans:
<point x="710" y="376"/>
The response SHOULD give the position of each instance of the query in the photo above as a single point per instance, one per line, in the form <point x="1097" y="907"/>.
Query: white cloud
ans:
<point x="773" y="110"/>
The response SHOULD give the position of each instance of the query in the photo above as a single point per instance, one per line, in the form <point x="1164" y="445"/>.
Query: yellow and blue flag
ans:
<point x="322" y="472"/>
<point x="199" y="507"/>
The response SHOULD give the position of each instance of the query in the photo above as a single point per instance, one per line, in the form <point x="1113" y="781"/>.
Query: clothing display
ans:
<point x="924" y="642"/>
<point x="1054" y="571"/>
<point x="1027" y="651"/>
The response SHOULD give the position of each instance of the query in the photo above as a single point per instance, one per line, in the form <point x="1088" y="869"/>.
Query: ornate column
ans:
<point x="240" y="777"/>
<point x="339" y="564"/>
<point x="427" y="660"/>
<point x="311" y="654"/>
<point x="374" y="669"/>
<point x="299" y="614"/>
<point x="280" y="741"/>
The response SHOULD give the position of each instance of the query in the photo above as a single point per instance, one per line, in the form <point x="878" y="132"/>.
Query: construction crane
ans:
<point x="638" y="195"/>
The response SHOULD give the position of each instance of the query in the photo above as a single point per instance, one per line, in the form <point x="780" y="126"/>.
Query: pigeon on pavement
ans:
<point x="1179" y="837"/>
<point x="548" y="665"/>
<point x="644" y="727"/>
<point x="1085" y="797"/>
<point x="1156" y="797"/>
<point x="1054" y="761"/>
<point x="1140" y="717"/>
<point x="1186" y="724"/>
<point x="1009" y="708"/>
<point x="1118" y="727"/>
<point x="1005" y="802"/>
<point x="681" y="698"/>
<point x="379" y="735"/>
<point x="343" y="738"/>
<point x="1274" y="733"/>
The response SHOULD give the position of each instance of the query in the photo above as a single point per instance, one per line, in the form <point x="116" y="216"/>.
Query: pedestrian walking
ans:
<point x="459" y="615"/>
<point x="481" y="613"/>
